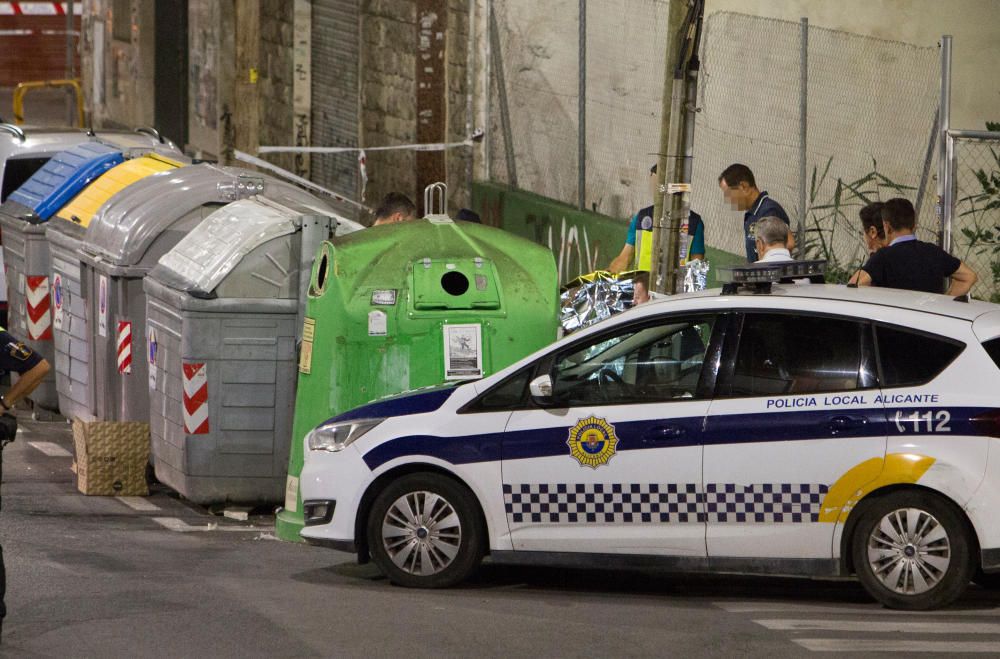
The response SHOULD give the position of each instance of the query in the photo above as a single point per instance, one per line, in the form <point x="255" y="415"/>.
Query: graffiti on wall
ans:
<point x="573" y="251"/>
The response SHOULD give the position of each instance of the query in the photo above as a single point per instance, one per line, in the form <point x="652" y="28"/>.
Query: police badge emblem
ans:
<point x="592" y="442"/>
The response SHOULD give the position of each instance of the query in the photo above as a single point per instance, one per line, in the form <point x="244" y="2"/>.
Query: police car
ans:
<point x="818" y="431"/>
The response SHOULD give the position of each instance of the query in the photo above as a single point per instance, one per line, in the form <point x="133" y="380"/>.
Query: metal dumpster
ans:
<point x="223" y="310"/>
<point x="26" y="252"/>
<point x="65" y="233"/>
<point x="409" y="305"/>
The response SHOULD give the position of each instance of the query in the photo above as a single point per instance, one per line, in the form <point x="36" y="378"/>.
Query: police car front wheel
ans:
<point x="424" y="531"/>
<point x="911" y="551"/>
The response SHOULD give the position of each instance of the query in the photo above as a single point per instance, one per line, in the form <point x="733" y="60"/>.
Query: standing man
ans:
<point x="32" y="368"/>
<point x="910" y="263"/>
<point x="395" y="207"/>
<point x="740" y="189"/>
<point x="871" y="227"/>
<point x="643" y="221"/>
<point x="772" y="240"/>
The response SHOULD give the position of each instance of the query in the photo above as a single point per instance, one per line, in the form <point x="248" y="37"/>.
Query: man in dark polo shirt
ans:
<point x="909" y="263"/>
<point x="740" y="190"/>
<point x="31" y="368"/>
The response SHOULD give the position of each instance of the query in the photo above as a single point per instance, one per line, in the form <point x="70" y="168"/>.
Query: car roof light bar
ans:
<point x="759" y="276"/>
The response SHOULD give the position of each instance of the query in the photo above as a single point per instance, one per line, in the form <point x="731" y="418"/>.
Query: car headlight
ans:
<point x="338" y="436"/>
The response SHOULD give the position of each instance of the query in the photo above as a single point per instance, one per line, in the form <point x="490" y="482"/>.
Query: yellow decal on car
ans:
<point x="868" y="476"/>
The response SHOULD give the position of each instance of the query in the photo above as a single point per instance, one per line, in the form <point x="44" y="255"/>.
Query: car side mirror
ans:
<point x="541" y="390"/>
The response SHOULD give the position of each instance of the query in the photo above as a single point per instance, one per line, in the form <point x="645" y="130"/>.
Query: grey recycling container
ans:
<point x="223" y="314"/>
<point x="23" y="218"/>
<point x="123" y="242"/>
<point x="65" y="233"/>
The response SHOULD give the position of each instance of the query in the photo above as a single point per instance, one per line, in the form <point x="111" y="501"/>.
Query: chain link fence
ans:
<point x="537" y="54"/>
<point x="870" y="122"/>
<point x="975" y="234"/>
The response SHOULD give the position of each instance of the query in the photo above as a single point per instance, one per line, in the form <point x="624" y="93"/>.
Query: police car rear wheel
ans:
<point x="423" y="532"/>
<point x="911" y="551"/>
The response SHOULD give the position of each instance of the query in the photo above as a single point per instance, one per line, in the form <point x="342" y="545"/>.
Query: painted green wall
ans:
<point x="582" y="241"/>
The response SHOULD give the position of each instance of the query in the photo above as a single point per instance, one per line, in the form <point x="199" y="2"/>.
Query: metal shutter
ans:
<point x="335" y="121"/>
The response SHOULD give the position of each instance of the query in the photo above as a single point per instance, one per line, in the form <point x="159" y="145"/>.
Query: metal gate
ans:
<point x="335" y="120"/>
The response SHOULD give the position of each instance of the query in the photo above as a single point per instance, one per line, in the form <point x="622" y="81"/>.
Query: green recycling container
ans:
<point x="409" y="305"/>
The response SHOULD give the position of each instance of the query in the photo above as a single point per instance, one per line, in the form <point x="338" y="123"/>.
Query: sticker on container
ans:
<point x="57" y="301"/>
<point x="377" y="323"/>
<point x="385" y="297"/>
<point x="102" y="306"/>
<point x="306" y="350"/>
<point x="463" y="352"/>
<point x="152" y="347"/>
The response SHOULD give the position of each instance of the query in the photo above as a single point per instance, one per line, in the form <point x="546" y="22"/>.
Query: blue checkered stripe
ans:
<point x="642" y="503"/>
<point x="768" y="503"/>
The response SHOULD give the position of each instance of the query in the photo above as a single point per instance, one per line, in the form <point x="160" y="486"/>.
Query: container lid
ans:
<point x="123" y="230"/>
<point x="83" y="207"/>
<point x="203" y="258"/>
<point x="65" y="175"/>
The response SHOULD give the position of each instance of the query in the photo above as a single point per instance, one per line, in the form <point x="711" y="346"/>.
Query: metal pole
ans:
<point x="488" y="92"/>
<point x="672" y="90"/>
<point x="928" y="158"/>
<point x="581" y="111"/>
<point x="800" y="231"/>
<point x="508" y="134"/>
<point x="470" y="107"/>
<point x="70" y="101"/>
<point x="946" y="152"/>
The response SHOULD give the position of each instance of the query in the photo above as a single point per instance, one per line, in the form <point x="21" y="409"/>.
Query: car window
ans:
<point x="781" y="354"/>
<point x="642" y="364"/>
<point x="911" y="358"/>
<point x="993" y="349"/>
<point x="508" y="395"/>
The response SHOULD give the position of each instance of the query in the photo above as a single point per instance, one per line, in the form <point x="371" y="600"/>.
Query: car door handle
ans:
<point x="842" y="423"/>
<point x="661" y="434"/>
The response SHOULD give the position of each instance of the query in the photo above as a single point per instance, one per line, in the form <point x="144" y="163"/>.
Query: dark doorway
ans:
<point x="171" y="74"/>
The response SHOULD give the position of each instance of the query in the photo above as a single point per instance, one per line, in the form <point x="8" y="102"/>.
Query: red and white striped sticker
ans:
<point x="195" y="399"/>
<point x="34" y="9"/>
<point x="38" y="308"/>
<point x="125" y="347"/>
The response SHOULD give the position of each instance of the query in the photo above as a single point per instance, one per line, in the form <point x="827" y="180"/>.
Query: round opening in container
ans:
<point x="454" y="283"/>
<point x="322" y="270"/>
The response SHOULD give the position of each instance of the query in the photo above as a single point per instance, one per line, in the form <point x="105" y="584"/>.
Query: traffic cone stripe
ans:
<point x="39" y="311"/>
<point x="125" y="347"/>
<point x="195" y="398"/>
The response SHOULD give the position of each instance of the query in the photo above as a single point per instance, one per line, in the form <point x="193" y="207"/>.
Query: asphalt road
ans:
<point x="107" y="577"/>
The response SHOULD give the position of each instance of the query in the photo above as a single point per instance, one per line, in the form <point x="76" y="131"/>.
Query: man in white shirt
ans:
<point x="772" y="240"/>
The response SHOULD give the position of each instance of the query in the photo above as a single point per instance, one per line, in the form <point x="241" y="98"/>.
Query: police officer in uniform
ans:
<point x="31" y="369"/>
<point x="643" y="221"/>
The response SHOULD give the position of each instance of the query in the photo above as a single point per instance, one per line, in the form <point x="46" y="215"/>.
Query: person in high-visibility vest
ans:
<point x="31" y="369"/>
<point x="637" y="253"/>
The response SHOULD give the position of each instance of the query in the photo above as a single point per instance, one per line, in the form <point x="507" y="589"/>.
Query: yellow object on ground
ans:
<point x="83" y="207"/>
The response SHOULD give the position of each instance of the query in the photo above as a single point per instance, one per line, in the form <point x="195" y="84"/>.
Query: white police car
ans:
<point x="815" y="431"/>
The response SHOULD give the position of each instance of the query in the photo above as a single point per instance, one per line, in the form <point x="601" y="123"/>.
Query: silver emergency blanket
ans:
<point x="593" y="297"/>
<point x="696" y="276"/>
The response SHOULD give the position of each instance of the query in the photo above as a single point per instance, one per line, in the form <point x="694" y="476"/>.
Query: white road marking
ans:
<point x="51" y="449"/>
<point x="895" y="645"/>
<point x="867" y="610"/>
<point x="883" y="626"/>
<point x="138" y="503"/>
<point x="174" y="524"/>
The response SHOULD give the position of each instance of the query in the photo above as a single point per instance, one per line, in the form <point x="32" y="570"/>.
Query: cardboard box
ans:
<point x="111" y="457"/>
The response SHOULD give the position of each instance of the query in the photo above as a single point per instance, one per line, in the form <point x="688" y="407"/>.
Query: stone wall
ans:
<point x="117" y="74"/>
<point x="388" y="97"/>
